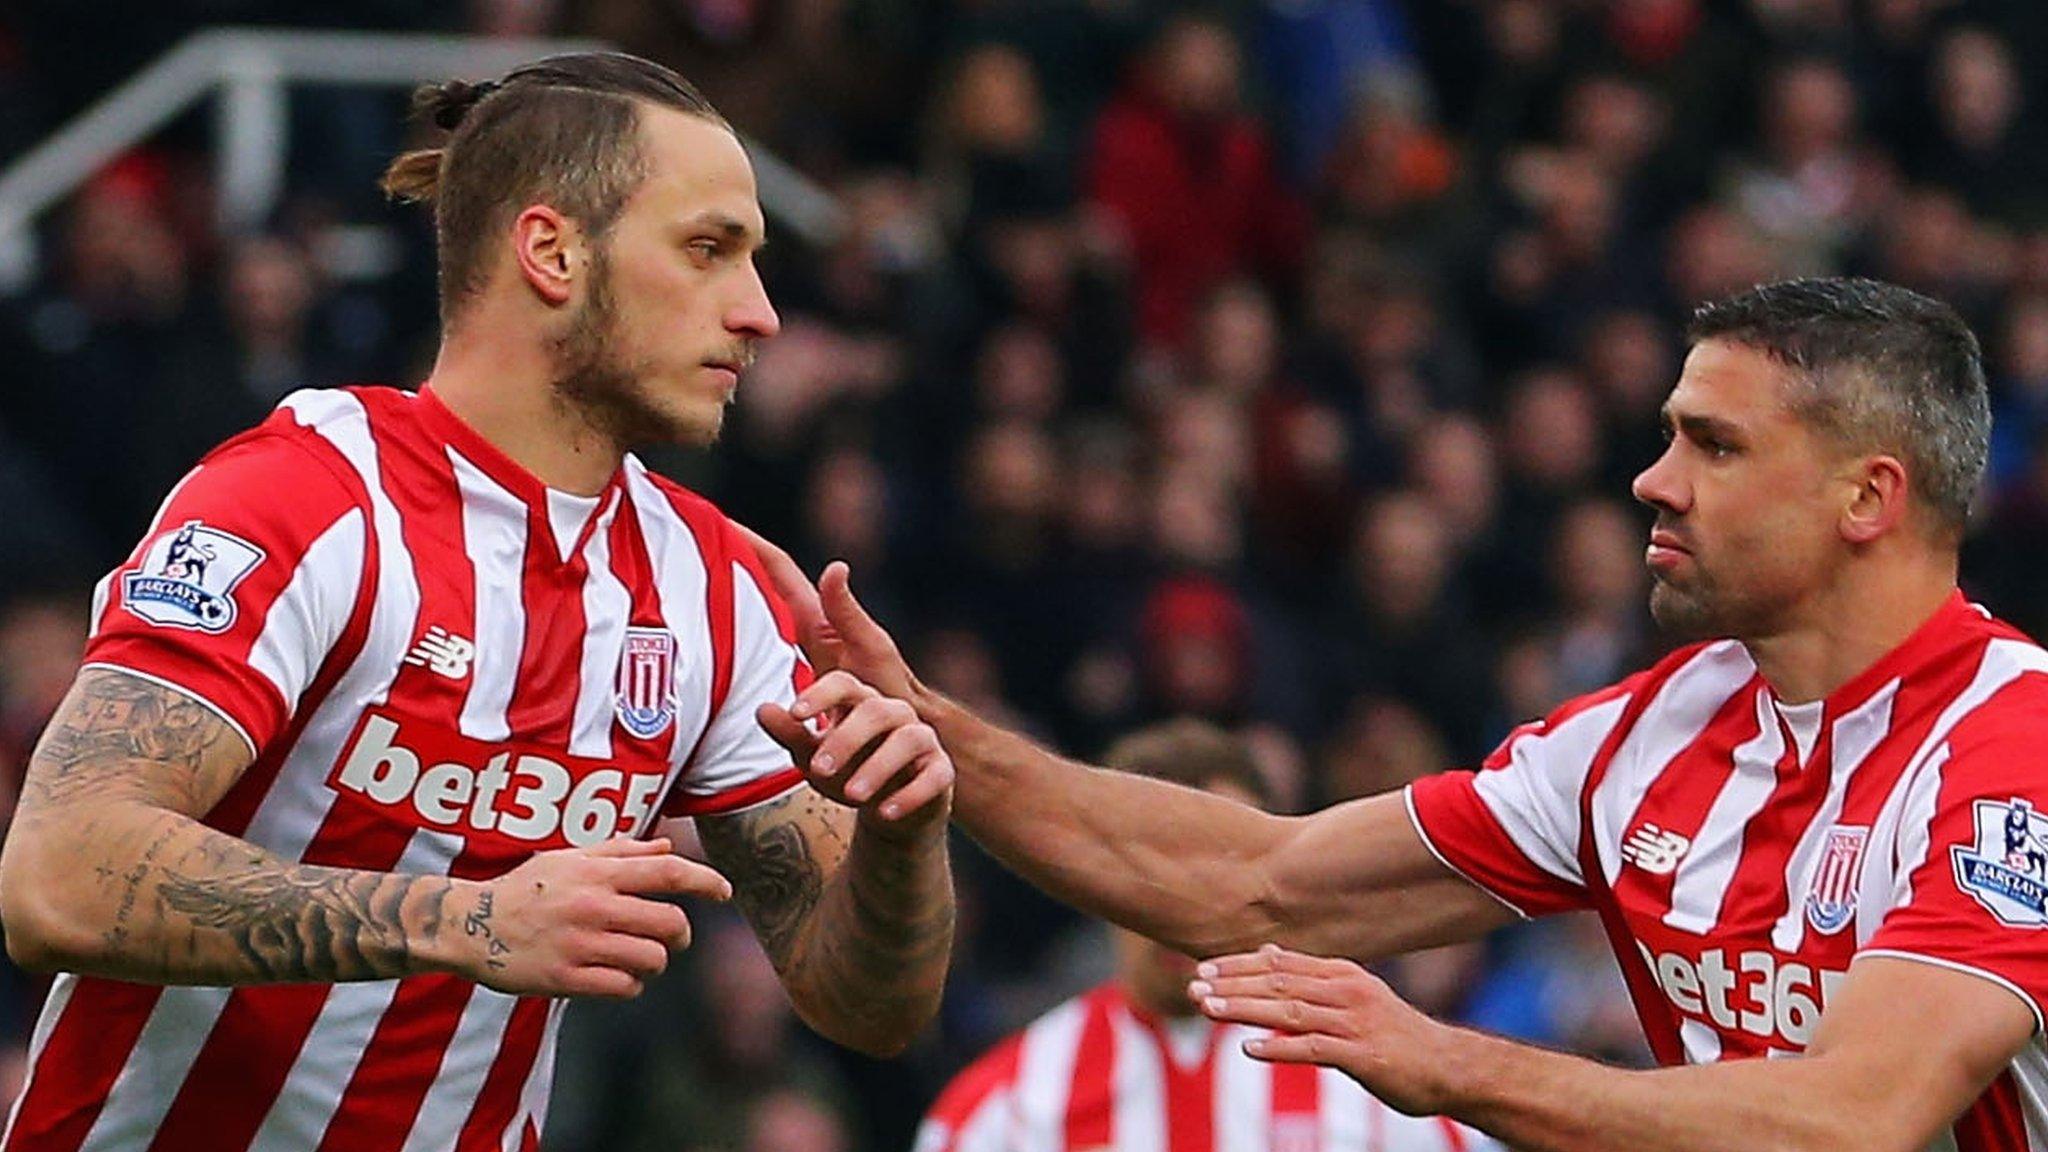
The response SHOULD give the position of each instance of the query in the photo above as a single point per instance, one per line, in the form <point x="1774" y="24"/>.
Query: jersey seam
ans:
<point x="165" y="682"/>
<point x="1415" y="819"/>
<point x="2040" y="1023"/>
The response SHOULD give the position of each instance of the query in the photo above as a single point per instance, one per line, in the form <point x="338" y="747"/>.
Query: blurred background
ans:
<point x="1282" y="362"/>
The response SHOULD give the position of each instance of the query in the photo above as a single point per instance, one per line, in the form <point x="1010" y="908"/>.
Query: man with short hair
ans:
<point x="1132" y="1064"/>
<point x="1794" y="829"/>
<point x="362" y="772"/>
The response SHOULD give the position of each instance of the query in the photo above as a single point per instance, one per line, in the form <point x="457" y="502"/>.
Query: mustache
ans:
<point x="741" y="356"/>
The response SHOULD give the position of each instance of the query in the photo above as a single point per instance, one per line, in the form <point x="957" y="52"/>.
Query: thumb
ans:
<point x="787" y="731"/>
<point x="843" y="610"/>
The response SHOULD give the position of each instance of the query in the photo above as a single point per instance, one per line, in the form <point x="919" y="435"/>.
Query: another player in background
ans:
<point x="1799" y="832"/>
<point x="1132" y="1064"/>
<point x="374" y="726"/>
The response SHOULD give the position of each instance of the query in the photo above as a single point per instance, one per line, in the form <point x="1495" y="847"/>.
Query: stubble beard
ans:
<point x="606" y="390"/>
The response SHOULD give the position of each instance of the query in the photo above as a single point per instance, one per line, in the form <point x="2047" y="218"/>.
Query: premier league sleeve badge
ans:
<point x="2006" y="868"/>
<point x="187" y="578"/>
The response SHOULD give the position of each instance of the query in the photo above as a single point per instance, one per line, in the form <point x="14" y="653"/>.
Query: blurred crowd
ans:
<point x="1283" y="362"/>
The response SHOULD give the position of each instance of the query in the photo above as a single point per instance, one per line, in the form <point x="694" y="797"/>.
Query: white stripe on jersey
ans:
<point x="1701" y="881"/>
<point x="316" y="602"/>
<point x="540" y="1082"/>
<point x="1668" y="725"/>
<point x="1242" y="1113"/>
<point x="464" y="1064"/>
<point x="292" y="810"/>
<point x="672" y="549"/>
<point x="494" y="536"/>
<point x="313" y="1089"/>
<point x="1137" y="1080"/>
<point x="1045" y="1074"/>
<point x="1855" y="735"/>
<point x="178" y="1026"/>
<point x="1702" y="1044"/>
<point x="1539" y="809"/>
<point x="607" y="606"/>
<point x="1346" y="1112"/>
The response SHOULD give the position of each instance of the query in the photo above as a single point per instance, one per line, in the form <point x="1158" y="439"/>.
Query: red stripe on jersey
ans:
<point x="495" y="1105"/>
<point x="1995" y="1122"/>
<point x="1190" y="1093"/>
<point x="384" y="1093"/>
<point x="1297" y="1092"/>
<point x="734" y="799"/>
<point x="68" y="1086"/>
<point x="1091" y="1095"/>
<point x="706" y="528"/>
<point x="634" y="568"/>
<point x="1454" y="1139"/>
<point x="785" y="620"/>
<point x="529" y="1137"/>
<point x="1683" y="799"/>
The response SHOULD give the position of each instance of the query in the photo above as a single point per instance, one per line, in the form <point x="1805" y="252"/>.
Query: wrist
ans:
<point x="448" y="944"/>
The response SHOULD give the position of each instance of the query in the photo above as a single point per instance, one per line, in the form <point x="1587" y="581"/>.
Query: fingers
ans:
<point x="788" y="731"/>
<point x="1272" y="958"/>
<point x="1279" y="1015"/>
<point x="890" y="762"/>
<point x="854" y="741"/>
<point x="933" y="779"/>
<point x="601" y="983"/>
<point x="831" y="693"/>
<point x="627" y="846"/>
<point x="652" y="919"/>
<point x="669" y="875"/>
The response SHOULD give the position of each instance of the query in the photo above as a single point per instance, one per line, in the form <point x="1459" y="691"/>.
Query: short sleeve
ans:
<point x="1972" y="887"/>
<point x="737" y="764"/>
<point x="1512" y="827"/>
<point x="244" y="582"/>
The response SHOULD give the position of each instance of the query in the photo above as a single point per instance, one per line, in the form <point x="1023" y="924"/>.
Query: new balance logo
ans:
<point x="441" y="652"/>
<point x="1654" y="850"/>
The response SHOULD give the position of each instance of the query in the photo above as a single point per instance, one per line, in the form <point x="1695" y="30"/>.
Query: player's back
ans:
<point x="442" y="667"/>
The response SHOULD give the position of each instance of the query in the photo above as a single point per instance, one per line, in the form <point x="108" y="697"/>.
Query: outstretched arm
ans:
<point x="107" y="870"/>
<point x="846" y="879"/>
<point x="1903" y="1048"/>
<point x="1194" y="870"/>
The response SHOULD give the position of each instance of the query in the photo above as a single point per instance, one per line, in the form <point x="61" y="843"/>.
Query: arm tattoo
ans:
<point x="859" y="930"/>
<point x="116" y="790"/>
<point x="776" y="876"/>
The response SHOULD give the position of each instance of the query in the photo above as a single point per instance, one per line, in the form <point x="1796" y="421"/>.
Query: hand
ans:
<point x="578" y="921"/>
<point x="832" y="627"/>
<point x="1328" y="1012"/>
<point x="874" y="754"/>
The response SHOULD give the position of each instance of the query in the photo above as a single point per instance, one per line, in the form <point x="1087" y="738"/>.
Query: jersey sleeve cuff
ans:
<point x="196" y="697"/>
<point x="1415" y="818"/>
<point x="739" y="798"/>
<point x="2034" y="1006"/>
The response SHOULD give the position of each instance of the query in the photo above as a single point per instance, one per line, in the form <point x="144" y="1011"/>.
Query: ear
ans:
<point x="1879" y="502"/>
<point x="547" y="248"/>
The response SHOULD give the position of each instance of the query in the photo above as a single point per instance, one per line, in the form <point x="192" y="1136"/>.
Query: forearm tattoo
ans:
<point x="119" y="780"/>
<point x="861" y="932"/>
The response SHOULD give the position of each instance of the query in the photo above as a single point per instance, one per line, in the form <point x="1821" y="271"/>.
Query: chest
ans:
<point x="1748" y="867"/>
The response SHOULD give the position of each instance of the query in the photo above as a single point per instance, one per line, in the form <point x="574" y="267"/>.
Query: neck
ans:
<point x="1858" y="622"/>
<point x="504" y="390"/>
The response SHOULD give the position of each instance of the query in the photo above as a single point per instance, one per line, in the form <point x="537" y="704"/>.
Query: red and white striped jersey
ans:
<point x="1099" y="1073"/>
<point x="1743" y="852"/>
<point x="443" y="667"/>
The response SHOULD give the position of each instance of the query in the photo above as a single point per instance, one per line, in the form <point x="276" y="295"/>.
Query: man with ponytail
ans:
<point x="365" y="768"/>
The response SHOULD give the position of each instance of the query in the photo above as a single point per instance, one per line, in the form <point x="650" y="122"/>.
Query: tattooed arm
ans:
<point x="108" y="871"/>
<point x="854" y="908"/>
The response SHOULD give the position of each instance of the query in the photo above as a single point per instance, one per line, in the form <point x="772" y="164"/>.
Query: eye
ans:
<point x="704" y="249"/>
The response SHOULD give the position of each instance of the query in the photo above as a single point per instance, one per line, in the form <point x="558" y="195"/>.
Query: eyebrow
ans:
<point x="732" y="228"/>
<point x="1699" y="427"/>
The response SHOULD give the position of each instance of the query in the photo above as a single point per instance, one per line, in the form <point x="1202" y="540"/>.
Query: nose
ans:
<point x="752" y="315"/>
<point x="1660" y="486"/>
